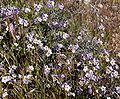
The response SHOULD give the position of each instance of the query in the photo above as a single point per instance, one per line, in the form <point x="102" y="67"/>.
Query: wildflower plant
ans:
<point x="47" y="53"/>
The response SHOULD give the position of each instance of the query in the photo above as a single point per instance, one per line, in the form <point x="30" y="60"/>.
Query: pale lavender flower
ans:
<point x="10" y="10"/>
<point x="106" y="52"/>
<point x="37" y="7"/>
<point x="11" y="70"/>
<point x="30" y="68"/>
<point x="107" y="58"/>
<point x="75" y="47"/>
<point x="82" y="81"/>
<point x="116" y="67"/>
<point x="14" y="67"/>
<point x="112" y="62"/>
<point x="23" y="22"/>
<point x="16" y="44"/>
<point x="36" y="41"/>
<point x="39" y="19"/>
<point x="90" y="62"/>
<point x="27" y="78"/>
<point x="54" y="77"/>
<point x="118" y="54"/>
<point x="118" y="89"/>
<point x="30" y="37"/>
<point x="18" y="37"/>
<point x="90" y="89"/>
<point x="108" y="98"/>
<point x="110" y="67"/>
<point x="114" y="74"/>
<point x="30" y="46"/>
<point x="79" y="90"/>
<point x="50" y="3"/>
<point x="59" y="46"/>
<point x="89" y="55"/>
<point x="102" y="35"/>
<point x="103" y="88"/>
<point x="95" y="62"/>
<point x="4" y="94"/>
<point x="46" y="48"/>
<point x="97" y="67"/>
<point x="70" y="68"/>
<point x="1" y="37"/>
<point x="68" y="61"/>
<point x="14" y="76"/>
<point x="55" y="23"/>
<point x="89" y="74"/>
<point x="5" y="79"/>
<point x="71" y="94"/>
<point x="60" y="6"/>
<point x="19" y="76"/>
<point x="62" y="76"/>
<point x="65" y="23"/>
<point x="94" y="78"/>
<point x="59" y="64"/>
<point x="100" y="41"/>
<point x="85" y="69"/>
<point x="49" y="51"/>
<point x="97" y="91"/>
<point x="84" y="56"/>
<point x="46" y="70"/>
<point x="35" y="21"/>
<point x="65" y="35"/>
<point x="80" y="38"/>
<point x="44" y="17"/>
<point x="27" y="10"/>
<point x="108" y="71"/>
<point x="66" y="87"/>
<point x="78" y="64"/>
<point x="101" y="27"/>
<point x="1" y="66"/>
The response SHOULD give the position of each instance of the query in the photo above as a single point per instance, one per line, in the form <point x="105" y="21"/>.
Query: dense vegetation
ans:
<point x="50" y="50"/>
